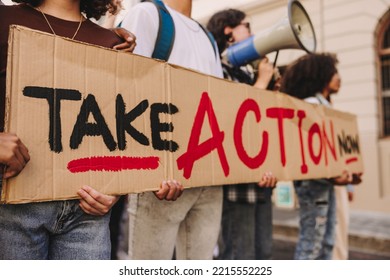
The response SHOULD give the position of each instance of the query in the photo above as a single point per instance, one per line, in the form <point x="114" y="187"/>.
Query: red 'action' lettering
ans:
<point x="253" y="163"/>
<point x="327" y="143"/>
<point x="301" y="115"/>
<point x="280" y="114"/>
<point x="195" y="150"/>
<point x="315" y="129"/>
<point x="324" y="141"/>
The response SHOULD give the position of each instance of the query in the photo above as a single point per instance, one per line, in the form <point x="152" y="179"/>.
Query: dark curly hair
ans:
<point x="91" y="8"/>
<point x="220" y="20"/>
<point x="309" y="74"/>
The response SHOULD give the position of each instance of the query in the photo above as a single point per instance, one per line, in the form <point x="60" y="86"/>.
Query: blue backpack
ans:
<point x="166" y="32"/>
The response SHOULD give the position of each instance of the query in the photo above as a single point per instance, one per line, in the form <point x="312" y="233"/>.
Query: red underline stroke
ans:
<point x="350" y="160"/>
<point x="112" y="163"/>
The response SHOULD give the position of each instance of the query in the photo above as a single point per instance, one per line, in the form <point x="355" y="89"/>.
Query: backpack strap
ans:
<point x="211" y="38"/>
<point x="166" y="32"/>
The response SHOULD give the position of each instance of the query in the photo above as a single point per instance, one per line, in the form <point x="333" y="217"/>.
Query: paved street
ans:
<point x="284" y="250"/>
<point x="369" y="235"/>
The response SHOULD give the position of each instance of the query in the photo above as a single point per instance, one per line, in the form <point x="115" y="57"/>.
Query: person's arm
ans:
<point x="13" y="154"/>
<point x="265" y="74"/>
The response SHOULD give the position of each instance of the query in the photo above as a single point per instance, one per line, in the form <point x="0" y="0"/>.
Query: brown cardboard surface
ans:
<point x="171" y="122"/>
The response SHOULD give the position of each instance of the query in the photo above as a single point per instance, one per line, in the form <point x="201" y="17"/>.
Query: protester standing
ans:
<point x="314" y="78"/>
<point x="192" y="222"/>
<point x="70" y="229"/>
<point x="246" y="231"/>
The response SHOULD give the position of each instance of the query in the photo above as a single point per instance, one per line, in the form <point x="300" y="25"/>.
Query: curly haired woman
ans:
<point x="71" y="229"/>
<point x="314" y="78"/>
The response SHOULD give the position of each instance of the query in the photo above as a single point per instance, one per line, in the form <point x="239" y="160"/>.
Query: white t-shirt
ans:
<point x="192" y="47"/>
<point x="318" y="99"/>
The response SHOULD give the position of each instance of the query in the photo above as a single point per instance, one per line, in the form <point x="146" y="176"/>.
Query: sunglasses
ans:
<point x="246" y="24"/>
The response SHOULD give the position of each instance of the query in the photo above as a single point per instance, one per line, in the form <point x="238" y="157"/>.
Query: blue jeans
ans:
<point x="246" y="232"/>
<point x="52" y="230"/>
<point x="317" y="215"/>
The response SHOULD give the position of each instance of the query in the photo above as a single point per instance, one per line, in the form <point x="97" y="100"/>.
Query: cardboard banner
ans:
<point x="122" y="123"/>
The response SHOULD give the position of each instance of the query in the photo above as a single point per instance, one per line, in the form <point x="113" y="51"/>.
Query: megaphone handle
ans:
<point x="276" y="58"/>
<point x="272" y="82"/>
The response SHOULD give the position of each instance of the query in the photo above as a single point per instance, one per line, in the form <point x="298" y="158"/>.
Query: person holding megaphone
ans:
<point x="230" y="27"/>
<point x="246" y="231"/>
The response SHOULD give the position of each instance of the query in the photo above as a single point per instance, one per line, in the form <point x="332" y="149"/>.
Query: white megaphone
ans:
<point x="293" y="32"/>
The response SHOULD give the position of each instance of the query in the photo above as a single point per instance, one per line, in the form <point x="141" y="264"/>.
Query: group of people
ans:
<point x="171" y="222"/>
